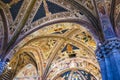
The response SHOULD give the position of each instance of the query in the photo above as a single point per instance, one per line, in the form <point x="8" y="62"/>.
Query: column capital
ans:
<point x="104" y="49"/>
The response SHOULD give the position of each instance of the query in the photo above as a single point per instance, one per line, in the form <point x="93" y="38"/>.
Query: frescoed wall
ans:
<point x="29" y="72"/>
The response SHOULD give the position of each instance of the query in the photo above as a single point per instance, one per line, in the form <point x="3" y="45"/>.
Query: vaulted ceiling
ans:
<point x="48" y="31"/>
<point x="20" y="18"/>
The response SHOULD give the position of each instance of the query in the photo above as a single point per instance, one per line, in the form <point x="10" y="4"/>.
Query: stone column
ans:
<point x="108" y="55"/>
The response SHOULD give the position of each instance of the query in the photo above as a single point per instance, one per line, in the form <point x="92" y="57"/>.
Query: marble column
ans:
<point x="108" y="55"/>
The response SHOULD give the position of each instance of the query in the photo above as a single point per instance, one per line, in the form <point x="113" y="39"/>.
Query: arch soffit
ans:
<point x="56" y="72"/>
<point x="31" y="52"/>
<point x="85" y="24"/>
<point x="4" y="26"/>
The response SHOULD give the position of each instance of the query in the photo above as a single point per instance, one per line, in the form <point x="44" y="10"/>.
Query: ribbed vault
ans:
<point x="59" y="47"/>
<point x="53" y="36"/>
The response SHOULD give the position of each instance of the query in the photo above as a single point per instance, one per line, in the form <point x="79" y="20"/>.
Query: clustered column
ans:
<point x="108" y="55"/>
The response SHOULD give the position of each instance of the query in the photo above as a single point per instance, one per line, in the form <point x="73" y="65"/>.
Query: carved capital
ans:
<point x="107" y="47"/>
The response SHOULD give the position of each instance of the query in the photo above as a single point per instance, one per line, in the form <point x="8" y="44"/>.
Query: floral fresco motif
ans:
<point x="27" y="73"/>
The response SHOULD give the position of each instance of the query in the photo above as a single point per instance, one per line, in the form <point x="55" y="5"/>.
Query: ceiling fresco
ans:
<point x="76" y="75"/>
<point x="46" y="35"/>
<point x="73" y="64"/>
<point x="108" y="6"/>
<point x="61" y="44"/>
<point x="29" y="72"/>
<point x="53" y="39"/>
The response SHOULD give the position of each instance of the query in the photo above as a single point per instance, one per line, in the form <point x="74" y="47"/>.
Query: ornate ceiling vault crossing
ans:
<point x="56" y="48"/>
<point x="53" y="39"/>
